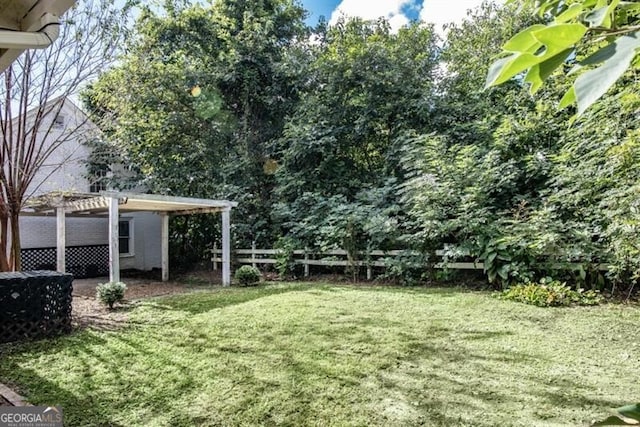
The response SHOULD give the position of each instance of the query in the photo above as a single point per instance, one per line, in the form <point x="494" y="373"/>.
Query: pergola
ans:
<point x="112" y="203"/>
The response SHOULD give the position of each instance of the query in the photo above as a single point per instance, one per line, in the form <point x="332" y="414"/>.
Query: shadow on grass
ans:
<point x="105" y="388"/>
<point x="202" y="302"/>
<point x="40" y="390"/>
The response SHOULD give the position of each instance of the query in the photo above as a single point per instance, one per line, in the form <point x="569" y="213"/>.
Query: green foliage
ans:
<point x="248" y="275"/>
<point x="111" y="293"/>
<point x="624" y="416"/>
<point x="285" y="263"/>
<point x="550" y="293"/>
<point x="409" y="268"/>
<point x="340" y="147"/>
<point x="362" y="139"/>
<point x="196" y="100"/>
<point x="603" y="36"/>
<point x="506" y="262"/>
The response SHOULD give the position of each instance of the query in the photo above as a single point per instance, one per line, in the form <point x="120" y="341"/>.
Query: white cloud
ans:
<point x="373" y="9"/>
<point x="440" y="12"/>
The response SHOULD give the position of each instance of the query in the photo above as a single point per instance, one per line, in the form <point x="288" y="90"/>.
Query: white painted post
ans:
<point x="215" y="256"/>
<point x="165" y="246"/>
<point x="61" y="236"/>
<point x="114" y="242"/>
<point x="226" y="247"/>
<point x="306" y="262"/>
<point x="253" y="254"/>
<point x="369" y="271"/>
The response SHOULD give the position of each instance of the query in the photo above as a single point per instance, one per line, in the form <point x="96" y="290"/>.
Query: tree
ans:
<point x="339" y="152"/>
<point x="484" y="165"/>
<point x="33" y="93"/>
<point x="164" y="124"/>
<point x="260" y="60"/>
<point x="597" y="40"/>
<point x="195" y="103"/>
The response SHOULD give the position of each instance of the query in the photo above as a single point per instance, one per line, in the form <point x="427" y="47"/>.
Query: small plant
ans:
<point x="248" y="275"/>
<point x="111" y="293"/>
<point x="550" y="293"/>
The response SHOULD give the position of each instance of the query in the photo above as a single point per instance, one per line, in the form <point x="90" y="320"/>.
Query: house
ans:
<point x="66" y="171"/>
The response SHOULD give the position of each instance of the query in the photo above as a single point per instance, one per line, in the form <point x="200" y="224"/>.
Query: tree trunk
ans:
<point x="4" y="228"/>
<point x="16" y="249"/>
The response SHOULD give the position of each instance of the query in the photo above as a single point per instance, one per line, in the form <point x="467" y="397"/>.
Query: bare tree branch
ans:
<point x="35" y="89"/>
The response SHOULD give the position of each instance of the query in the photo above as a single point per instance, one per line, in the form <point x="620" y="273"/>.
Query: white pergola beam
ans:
<point x="226" y="247"/>
<point x="61" y="240"/>
<point x="90" y="204"/>
<point x="197" y="211"/>
<point x="114" y="242"/>
<point x="165" y="246"/>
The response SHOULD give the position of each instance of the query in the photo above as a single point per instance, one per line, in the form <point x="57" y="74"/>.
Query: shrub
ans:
<point x="111" y="293"/>
<point x="248" y="275"/>
<point x="285" y="263"/>
<point x="550" y="293"/>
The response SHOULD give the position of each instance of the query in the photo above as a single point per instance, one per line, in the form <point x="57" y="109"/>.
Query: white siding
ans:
<point x="40" y="232"/>
<point x="66" y="170"/>
<point x="146" y="241"/>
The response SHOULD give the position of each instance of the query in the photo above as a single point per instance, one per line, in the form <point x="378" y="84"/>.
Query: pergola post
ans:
<point x="226" y="247"/>
<point x="61" y="242"/>
<point x="165" y="246"/>
<point x="114" y="242"/>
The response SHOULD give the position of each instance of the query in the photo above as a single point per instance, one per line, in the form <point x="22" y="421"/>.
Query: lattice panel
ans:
<point x="88" y="261"/>
<point x="34" y="304"/>
<point x="39" y="259"/>
<point x="81" y="261"/>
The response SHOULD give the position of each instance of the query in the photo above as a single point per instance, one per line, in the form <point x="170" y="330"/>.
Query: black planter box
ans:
<point x="34" y="304"/>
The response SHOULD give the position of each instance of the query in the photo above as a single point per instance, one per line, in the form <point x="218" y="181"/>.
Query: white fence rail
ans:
<point x="338" y="258"/>
<point x="333" y="258"/>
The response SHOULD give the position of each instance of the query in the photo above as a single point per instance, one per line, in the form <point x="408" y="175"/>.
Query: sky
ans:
<point x="398" y="12"/>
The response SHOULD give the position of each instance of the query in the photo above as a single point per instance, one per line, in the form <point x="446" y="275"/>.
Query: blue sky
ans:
<point x="398" y="12"/>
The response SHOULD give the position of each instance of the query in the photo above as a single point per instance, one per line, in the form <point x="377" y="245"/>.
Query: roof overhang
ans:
<point x="28" y="24"/>
<point x="91" y="203"/>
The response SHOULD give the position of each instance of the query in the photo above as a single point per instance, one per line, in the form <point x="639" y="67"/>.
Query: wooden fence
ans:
<point x="369" y="260"/>
<point x="334" y="258"/>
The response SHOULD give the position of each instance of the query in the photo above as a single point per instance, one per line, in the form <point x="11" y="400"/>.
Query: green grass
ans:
<point x="327" y="355"/>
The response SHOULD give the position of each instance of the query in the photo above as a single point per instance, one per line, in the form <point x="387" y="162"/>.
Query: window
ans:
<point x="125" y="228"/>
<point x="58" y="122"/>
<point x="99" y="180"/>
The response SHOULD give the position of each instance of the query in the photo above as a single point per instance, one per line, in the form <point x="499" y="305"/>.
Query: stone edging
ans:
<point x="12" y="397"/>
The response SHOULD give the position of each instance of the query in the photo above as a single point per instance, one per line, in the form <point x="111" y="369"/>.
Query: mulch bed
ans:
<point x="89" y="312"/>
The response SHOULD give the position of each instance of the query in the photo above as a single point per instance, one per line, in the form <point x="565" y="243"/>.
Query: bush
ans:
<point x="550" y="294"/>
<point x="248" y="275"/>
<point x="285" y="263"/>
<point x="111" y="293"/>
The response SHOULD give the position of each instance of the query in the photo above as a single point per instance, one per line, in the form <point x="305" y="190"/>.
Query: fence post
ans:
<point x="253" y="254"/>
<point x="369" y="269"/>
<point x="306" y="262"/>
<point x="215" y="256"/>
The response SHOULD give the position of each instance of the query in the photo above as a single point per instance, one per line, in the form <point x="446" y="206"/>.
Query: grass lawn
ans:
<point x="294" y="354"/>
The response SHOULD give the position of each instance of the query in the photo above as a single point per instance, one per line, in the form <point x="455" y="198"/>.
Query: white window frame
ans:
<point x="132" y="251"/>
